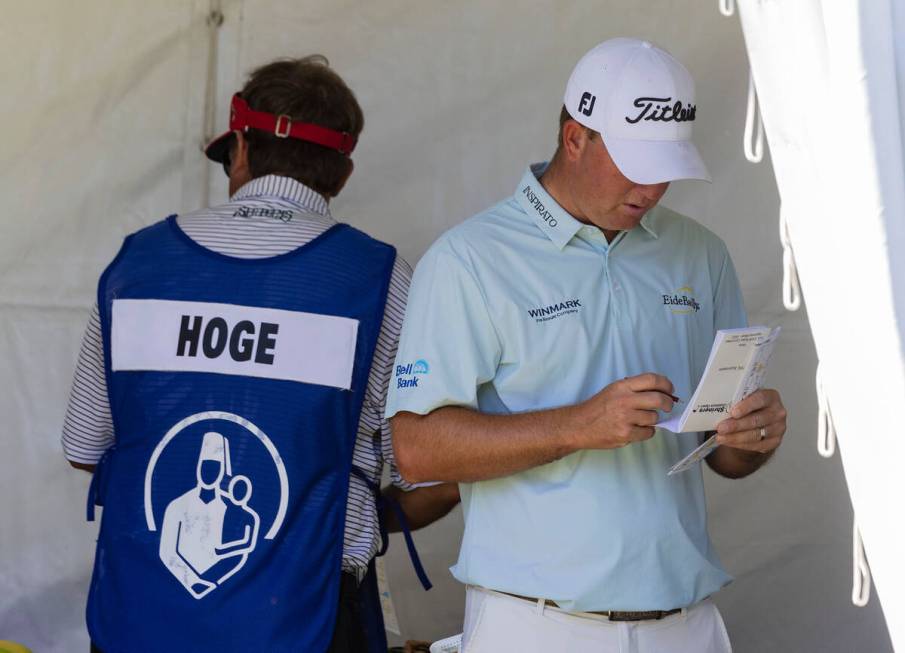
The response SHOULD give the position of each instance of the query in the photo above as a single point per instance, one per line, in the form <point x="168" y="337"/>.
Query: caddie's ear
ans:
<point x="239" y="149"/>
<point x="575" y="138"/>
<point x="239" y="172"/>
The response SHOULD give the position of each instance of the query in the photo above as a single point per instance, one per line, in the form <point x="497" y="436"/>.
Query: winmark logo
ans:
<point x="546" y="313"/>
<point x="420" y="366"/>
<point x="683" y="303"/>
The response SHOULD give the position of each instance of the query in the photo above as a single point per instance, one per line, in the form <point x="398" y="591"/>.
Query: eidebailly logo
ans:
<point x="212" y="510"/>
<point x="407" y="375"/>
<point x="682" y="301"/>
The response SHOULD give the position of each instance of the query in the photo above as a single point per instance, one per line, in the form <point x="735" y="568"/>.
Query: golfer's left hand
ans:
<point x="757" y="423"/>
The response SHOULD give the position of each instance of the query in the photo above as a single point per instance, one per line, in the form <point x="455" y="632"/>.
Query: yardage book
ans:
<point x="737" y="367"/>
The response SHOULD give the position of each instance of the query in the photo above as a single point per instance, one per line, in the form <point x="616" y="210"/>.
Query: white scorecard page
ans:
<point x="179" y="336"/>
<point x="694" y="457"/>
<point x="736" y="368"/>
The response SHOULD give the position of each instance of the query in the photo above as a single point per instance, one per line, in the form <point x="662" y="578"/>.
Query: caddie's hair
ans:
<point x="307" y="90"/>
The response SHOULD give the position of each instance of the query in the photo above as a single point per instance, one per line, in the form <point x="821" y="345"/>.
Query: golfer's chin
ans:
<point x="624" y="218"/>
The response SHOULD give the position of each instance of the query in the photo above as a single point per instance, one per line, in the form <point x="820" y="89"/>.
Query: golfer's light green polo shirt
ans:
<point x="523" y="308"/>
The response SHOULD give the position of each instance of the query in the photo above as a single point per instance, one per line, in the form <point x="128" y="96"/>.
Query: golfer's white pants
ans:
<point x="499" y="623"/>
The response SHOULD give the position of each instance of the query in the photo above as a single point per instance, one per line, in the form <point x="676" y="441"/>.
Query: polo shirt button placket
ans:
<point x="614" y="286"/>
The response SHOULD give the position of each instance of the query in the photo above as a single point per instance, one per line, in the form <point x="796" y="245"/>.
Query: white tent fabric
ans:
<point x="830" y="76"/>
<point x="105" y="106"/>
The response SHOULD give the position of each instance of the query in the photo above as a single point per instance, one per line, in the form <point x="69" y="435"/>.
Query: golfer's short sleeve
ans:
<point x="728" y="304"/>
<point x="448" y="346"/>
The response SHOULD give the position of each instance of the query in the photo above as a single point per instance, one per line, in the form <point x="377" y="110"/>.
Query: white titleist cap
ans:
<point x="641" y="101"/>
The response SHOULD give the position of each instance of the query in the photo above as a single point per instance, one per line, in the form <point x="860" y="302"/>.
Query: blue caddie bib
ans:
<point x="235" y="387"/>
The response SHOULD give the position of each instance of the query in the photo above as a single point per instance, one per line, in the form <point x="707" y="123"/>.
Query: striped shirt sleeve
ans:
<point x="382" y="367"/>
<point x="88" y="426"/>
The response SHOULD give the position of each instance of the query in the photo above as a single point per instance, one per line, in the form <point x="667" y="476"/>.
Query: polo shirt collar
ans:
<point x="648" y="222"/>
<point x="286" y="189"/>
<point x="550" y="217"/>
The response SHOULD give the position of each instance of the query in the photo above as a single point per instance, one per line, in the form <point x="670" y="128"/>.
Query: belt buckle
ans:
<point x="637" y="616"/>
<point x="283" y="126"/>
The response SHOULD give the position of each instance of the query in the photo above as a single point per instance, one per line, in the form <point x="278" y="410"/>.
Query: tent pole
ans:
<point x="214" y="21"/>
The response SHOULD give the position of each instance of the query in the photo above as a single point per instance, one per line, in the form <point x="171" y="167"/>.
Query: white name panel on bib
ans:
<point x="173" y="336"/>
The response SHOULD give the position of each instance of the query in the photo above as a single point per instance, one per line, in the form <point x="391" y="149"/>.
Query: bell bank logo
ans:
<point x="407" y="375"/>
<point x="682" y="301"/>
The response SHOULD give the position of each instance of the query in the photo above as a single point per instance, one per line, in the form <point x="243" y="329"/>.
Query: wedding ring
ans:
<point x="763" y="432"/>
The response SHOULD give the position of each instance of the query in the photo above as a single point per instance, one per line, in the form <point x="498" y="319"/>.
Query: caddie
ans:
<point x="229" y="399"/>
<point x="549" y="330"/>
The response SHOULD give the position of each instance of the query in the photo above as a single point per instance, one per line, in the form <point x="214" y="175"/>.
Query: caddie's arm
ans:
<point x="83" y="466"/>
<point x="423" y="505"/>
<point x="88" y="426"/>
<point x="460" y="444"/>
<point x="750" y="436"/>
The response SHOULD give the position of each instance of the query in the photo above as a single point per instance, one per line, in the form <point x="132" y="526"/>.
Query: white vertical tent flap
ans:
<point x="826" y="432"/>
<point x="827" y="75"/>
<point x="860" y="569"/>
<point x="754" y="126"/>
<point x="791" y="289"/>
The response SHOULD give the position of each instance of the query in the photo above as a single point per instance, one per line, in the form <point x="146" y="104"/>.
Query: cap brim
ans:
<point x="654" y="162"/>
<point x="218" y="149"/>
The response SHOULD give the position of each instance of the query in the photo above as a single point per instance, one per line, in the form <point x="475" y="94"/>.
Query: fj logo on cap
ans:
<point x="659" y="109"/>
<point x="586" y="106"/>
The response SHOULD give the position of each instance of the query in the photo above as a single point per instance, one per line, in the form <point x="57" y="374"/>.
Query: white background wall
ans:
<point x="103" y="107"/>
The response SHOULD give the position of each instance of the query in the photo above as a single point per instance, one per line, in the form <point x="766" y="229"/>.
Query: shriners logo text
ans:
<point x="682" y="301"/>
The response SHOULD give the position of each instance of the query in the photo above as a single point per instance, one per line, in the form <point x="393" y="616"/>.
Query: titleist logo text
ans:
<point x="659" y="109"/>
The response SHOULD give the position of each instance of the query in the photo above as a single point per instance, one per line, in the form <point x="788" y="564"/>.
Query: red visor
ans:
<point x="242" y="118"/>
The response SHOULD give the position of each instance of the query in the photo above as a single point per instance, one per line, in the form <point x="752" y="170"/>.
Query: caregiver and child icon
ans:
<point x="208" y="533"/>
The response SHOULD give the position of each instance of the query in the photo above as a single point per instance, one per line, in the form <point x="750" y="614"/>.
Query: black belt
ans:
<point x="639" y="616"/>
<point x="613" y="615"/>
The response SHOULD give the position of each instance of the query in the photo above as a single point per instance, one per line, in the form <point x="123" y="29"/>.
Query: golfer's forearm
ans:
<point x="457" y="444"/>
<point x="736" y="463"/>
<point x="422" y="506"/>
